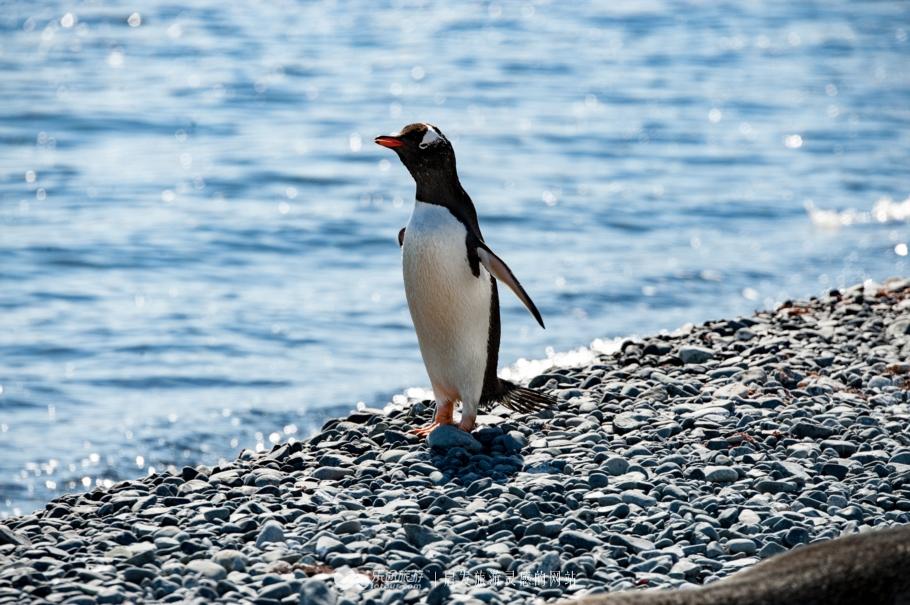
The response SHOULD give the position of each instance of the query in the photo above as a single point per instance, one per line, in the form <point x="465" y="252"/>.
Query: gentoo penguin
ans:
<point x="450" y="279"/>
<point x="871" y="567"/>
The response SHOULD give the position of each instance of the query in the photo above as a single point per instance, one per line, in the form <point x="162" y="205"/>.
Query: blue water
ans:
<point x="197" y="235"/>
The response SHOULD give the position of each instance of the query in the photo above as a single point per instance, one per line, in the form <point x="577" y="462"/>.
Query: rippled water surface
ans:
<point x="197" y="235"/>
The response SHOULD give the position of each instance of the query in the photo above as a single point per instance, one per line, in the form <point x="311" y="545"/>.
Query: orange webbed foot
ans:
<point x="467" y="425"/>
<point x="424" y="430"/>
<point x="443" y="416"/>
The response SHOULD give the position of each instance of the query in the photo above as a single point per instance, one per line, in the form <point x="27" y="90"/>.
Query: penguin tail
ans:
<point x="522" y="399"/>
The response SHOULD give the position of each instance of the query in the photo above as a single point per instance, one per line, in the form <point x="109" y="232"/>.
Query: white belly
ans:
<point x="449" y="305"/>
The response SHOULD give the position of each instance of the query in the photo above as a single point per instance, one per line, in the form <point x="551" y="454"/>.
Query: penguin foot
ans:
<point x="443" y="416"/>
<point x="467" y="425"/>
<point x="426" y="430"/>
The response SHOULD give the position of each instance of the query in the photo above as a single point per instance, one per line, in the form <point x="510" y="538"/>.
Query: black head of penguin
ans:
<point x="425" y="152"/>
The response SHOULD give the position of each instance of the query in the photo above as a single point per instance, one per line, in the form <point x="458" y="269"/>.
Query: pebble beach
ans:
<point x="676" y="460"/>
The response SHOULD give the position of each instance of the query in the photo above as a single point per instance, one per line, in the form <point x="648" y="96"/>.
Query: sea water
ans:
<point x="198" y="237"/>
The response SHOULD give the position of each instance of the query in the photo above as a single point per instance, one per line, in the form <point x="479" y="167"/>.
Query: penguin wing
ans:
<point x="500" y="270"/>
<point x="401" y="237"/>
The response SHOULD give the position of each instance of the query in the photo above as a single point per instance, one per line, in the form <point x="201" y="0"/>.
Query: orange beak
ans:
<point x="389" y="141"/>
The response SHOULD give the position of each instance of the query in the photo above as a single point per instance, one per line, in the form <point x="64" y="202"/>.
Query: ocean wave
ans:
<point x="523" y="369"/>
<point x="885" y="211"/>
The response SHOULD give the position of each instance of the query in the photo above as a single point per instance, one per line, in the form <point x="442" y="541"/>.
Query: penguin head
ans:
<point x="422" y="148"/>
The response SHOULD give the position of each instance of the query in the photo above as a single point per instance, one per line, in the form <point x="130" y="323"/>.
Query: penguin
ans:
<point x="450" y="277"/>
<point x="870" y="567"/>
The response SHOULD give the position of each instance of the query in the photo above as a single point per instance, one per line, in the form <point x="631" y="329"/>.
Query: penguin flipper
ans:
<point x="500" y="270"/>
<point x="401" y="237"/>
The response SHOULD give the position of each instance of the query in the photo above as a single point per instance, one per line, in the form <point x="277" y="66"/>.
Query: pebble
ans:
<point x="208" y="568"/>
<point x="776" y="487"/>
<point x="844" y="449"/>
<point x="838" y="471"/>
<point x="331" y="473"/>
<point x="692" y="354"/>
<point x="675" y="461"/>
<point x="316" y="592"/>
<point x="578" y="540"/>
<point x="352" y="526"/>
<point x="327" y="545"/>
<point x="420" y="536"/>
<point x="8" y="536"/>
<point x="721" y="474"/>
<point x="639" y="499"/>
<point x="448" y="437"/>
<point x="271" y="532"/>
<point x="812" y="430"/>
<point x="616" y="465"/>
<point x="231" y="560"/>
<point x="742" y="545"/>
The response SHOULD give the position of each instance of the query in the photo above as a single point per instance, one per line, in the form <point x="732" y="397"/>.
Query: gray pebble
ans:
<point x="789" y="429"/>
<point x="207" y="568"/>
<point x="578" y="540"/>
<point x="331" y="473"/>
<point x="721" y="474"/>
<point x="690" y="354"/>
<point x="742" y="545"/>
<point x="231" y="560"/>
<point x="317" y="592"/>
<point x="351" y="526"/>
<point x="271" y="532"/>
<point x="447" y="437"/>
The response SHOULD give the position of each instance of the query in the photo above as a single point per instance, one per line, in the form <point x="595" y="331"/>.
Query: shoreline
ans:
<point x="674" y="460"/>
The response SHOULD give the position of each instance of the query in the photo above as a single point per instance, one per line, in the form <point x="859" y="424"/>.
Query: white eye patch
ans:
<point x="431" y="137"/>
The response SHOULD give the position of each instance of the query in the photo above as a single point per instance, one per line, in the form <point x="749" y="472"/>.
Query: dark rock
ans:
<point x="811" y="430"/>
<point x="316" y="592"/>
<point x="844" y="449"/>
<point x="691" y="354"/>
<point x="420" y="536"/>
<point x="579" y="540"/>
<point x="8" y="536"/>
<point x="447" y="437"/>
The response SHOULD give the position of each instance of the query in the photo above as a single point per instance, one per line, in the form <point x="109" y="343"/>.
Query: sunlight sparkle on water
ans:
<point x="884" y="211"/>
<point x="115" y="59"/>
<point x="793" y="141"/>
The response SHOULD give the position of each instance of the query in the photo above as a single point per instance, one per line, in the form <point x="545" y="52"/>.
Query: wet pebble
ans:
<point x="681" y="459"/>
